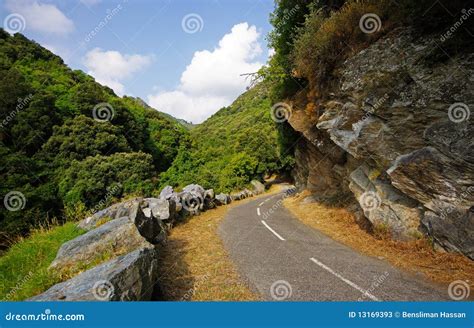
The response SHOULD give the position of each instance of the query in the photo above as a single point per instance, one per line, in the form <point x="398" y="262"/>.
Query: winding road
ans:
<point x="283" y="259"/>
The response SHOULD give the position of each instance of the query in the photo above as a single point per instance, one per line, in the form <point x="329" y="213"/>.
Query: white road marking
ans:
<point x="258" y="211"/>
<point x="273" y="231"/>
<point x="350" y="283"/>
<point x="261" y="203"/>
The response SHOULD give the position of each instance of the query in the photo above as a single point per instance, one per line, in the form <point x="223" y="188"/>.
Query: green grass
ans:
<point x="24" y="267"/>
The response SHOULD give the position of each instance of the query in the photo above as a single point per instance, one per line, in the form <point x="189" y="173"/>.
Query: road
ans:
<point x="283" y="259"/>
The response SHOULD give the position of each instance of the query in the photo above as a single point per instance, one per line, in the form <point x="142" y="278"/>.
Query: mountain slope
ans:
<point x="55" y="121"/>
<point x="238" y="143"/>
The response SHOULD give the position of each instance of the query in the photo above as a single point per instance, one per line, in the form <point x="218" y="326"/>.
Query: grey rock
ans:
<point x="167" y="192"/>
<point x="223" y="199"/>
<point x="209" y="199"/>
<point x="161" y="208"/>
<point x="119" y="234"/>
<point x="258" y="187"/>
<point x="113" y="212"/>
<point x="150" y="228"/>
<point x="130" y="277"/>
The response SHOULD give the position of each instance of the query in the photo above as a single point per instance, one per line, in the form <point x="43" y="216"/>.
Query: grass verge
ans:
<point x="415" y="256"/>
<point x="24" y="267"/>
<point x="196" y="267"/>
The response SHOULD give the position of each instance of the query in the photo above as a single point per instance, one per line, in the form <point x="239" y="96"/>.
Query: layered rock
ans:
<point x="131" y="277"/>
<point x="402" y="130"/>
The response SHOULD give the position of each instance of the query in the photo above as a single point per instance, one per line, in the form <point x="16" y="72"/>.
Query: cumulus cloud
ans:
<point x="111" y="67"/>
<point x="212" y="80"/>
<point x="41" y="17"/>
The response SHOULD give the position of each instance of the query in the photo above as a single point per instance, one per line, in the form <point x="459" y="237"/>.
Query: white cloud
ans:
<point x="44" y="18"/>
<point x="111" y="67"/>
<point x="212" y="80"/>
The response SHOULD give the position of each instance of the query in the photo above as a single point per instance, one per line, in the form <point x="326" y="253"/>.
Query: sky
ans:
<point x="183" y="57"/>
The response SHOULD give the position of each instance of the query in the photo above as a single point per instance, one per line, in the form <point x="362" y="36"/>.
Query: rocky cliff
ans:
<point x="394" y="134"/>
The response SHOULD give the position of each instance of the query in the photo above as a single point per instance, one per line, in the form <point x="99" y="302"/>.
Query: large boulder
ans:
<point x="209" y="199"/>
<point x="119" y="235"/>
<point x="258" y="187"/>
<point x="151" y="228"/>
<point x="192" y="203"/>
<point x="167" y="192"/>
<point x="131" y="277"/>
<point x="162" y="209"/>
<point x="110" y="213"/>
<point x="195" y="189"/>
<point x="223" y="199"/>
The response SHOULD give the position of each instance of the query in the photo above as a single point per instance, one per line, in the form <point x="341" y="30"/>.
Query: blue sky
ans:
<point x="184" y="57"/>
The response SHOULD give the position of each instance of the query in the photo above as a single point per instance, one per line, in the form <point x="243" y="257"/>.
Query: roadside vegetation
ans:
<point x="24" y="267"/>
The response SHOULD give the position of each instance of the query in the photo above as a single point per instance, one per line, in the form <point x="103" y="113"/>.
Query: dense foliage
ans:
<point x="238" y="143"/>
<point x="54" y="150"/>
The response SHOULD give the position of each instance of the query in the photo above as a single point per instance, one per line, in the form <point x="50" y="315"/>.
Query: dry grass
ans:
<point x="415" y="256"/>
<point x="195" y="265"/>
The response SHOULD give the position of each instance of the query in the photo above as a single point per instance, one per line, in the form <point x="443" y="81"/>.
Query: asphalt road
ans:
<point x="283" y="259"/>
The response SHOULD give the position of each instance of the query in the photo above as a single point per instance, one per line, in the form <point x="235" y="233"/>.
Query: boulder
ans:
<point x="222" y="199"/>
<point x="192" y="203"/>
<point x="150" y="228"/>
<point x="129" y="277"/>
<point x="114" y="236"/>
<point x="258" y="187"/>
<point x="161" y="208"/>
<point x="113" y="212"/>
<point x="167" y="192"/>
<point x="209" y="199"/>
<point x="194" y="189"/>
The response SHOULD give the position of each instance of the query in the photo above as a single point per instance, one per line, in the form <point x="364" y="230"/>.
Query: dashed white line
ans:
<point x="261" y="203"/>
<point x="273" y="231"/>
<point x="258" y="211"/>
<point x="347" y="281"/>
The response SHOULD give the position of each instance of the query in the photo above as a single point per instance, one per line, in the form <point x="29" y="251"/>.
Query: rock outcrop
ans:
<point x="399" y="133"/>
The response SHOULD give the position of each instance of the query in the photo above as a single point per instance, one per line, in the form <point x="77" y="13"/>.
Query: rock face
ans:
<point x="129" y="277"/>
<point x="400" y="130"/>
